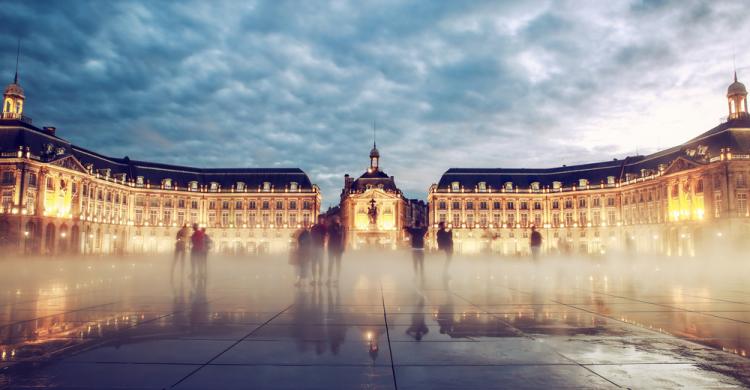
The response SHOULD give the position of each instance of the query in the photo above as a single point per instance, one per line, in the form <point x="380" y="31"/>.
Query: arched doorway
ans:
<point x="75" y="239"/>
<point x="31" y="235"/>
<point x="5" y="235"/>
<point x="63" y="247"/>
<point x="49" y="239"/>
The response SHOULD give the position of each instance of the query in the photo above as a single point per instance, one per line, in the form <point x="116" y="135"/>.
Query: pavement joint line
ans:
<point x="57" y="314"/>
<point x="524" y="334"/>
<point x="231" y="346"/>
<point x="678" y="308"/>
<point x="388" y="337"/>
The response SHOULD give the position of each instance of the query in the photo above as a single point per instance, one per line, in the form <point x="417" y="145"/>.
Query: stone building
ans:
<point x="61" y="198"/>
<point x="676" y="201"/>
<point x="374" y="211"/>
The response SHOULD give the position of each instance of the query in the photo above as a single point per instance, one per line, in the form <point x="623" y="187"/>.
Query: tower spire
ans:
<point x="18" y="55"/>
<point x="374" y="135"/>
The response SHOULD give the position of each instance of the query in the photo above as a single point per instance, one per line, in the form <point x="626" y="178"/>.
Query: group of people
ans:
<point x="199" y="243"/>
<point x="311" y="245"/>
<point x="444" y="240"/>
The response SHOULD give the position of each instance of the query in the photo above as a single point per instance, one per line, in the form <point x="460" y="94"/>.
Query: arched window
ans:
<point x="8" y="105"/>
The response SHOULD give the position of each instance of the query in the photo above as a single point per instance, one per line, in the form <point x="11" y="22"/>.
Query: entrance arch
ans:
<point x="49" y="239"/>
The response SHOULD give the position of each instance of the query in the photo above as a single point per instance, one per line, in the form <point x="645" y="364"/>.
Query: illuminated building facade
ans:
<point x="61" y="198"/>
<point x="374" y="211"/>
<point x="676" y="202"/>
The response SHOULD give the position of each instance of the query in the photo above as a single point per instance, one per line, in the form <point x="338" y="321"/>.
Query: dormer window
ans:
<point x="193" y="186"/>
<point x="240" y="186"/>
<point x="508" y="186"/>
<point x="583" y="182"/>
<point x="482" y="186"/>
<point x="556" y="185"/>
<point x="293" y="186"/>
<point x="535" y="186"/>
<point x="266" y="186"/>
<point x="610" y="180"/>
<point x="139" y="181"/>
<point x="455" y="186"/>
<point x="213" y="187"/>
<point x="167" y="184"/>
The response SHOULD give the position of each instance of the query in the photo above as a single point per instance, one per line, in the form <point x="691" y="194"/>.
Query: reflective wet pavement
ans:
<point x="497" y="323"/>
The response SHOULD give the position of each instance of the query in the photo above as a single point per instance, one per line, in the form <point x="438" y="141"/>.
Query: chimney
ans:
<point x="50" y="130"/>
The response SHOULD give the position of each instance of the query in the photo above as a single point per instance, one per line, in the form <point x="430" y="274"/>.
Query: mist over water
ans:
<point x="64" y="305"/>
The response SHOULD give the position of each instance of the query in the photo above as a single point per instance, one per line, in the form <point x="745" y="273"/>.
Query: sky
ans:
<point x="449" y="83"/>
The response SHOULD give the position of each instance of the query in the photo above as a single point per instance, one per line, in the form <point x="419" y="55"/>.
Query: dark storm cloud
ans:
<point x="451" y="83"/>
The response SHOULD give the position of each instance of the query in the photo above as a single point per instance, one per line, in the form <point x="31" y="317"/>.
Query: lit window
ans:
<point x="482" y="186"/>
<point x="455" y="186"/>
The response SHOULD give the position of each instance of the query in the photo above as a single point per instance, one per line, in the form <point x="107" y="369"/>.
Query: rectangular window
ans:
<point x="238" y="205"/>
<point x="9" y="178"/>
<point x="32" y="179"/>
<point x="538" y="219"/>
<point x="194" y="204"/>
<point x="181" y="203"/>
<point x="279" y="221"/>
<point x="483" y="205"/>
<point x="279" y="205"/>
<point x="496" y="205"/>
<point x="470" y="220"/>
<point x="469" y="205"/>
<point x="456" y="220"/>
<point x="212" y="205"/>
<point x="180" y="218"/>
<point x="597" y="202"/>
<point x="524" y="220"/>
<point x="582" y="219"/>
<point x="139" y="217"/>
<point x="292" y="205"/>
<point x="524" y="205"/>
<point x="510" y="206"/>
<point x="511" y="220"/>
<point x="597" y="218"/>
<point x="153" y="217"/>
<point x="225" y="205"/>
<point x="193" y="217"/>
<point x="456" y="206"/>
<point x="266" y="205"/>
<point x="292" y="219"/>
<point x="212" y="219"/>
<point x="252" y="205"/>
<point x="717" y="205"/>
<point x="581" y="202"/>
<point x="568" y="219"/>
<point x="611" y="217"/>
<point x="167" y="218"/>
<point x="251" y="220"/>
<point x="556" y="219"/>
<point x="442" y="218"/>
<point x="442" y="205"/>
<point x="225" y="218"/>
<point x="742" y="204"/>
<point x="238" y="219"/>
<point x="611" y="201"/>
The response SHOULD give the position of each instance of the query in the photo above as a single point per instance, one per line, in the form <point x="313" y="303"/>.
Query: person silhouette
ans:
<point x="445" y="244"/>
<point x="416" y="234"/>
<point x="335" y="250"/>
<point x="535" y="243"/>
<point x="180" y="249"/>
<point x="317" y="243"/>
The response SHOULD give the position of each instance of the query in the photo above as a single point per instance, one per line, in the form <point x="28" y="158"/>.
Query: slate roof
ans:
<point x="15" y="133"/>
<point x="734" y="134"/>
<point x="374" y="179"/>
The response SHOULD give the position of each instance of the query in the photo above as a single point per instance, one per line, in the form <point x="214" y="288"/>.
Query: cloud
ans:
<point x="450" y="84"/>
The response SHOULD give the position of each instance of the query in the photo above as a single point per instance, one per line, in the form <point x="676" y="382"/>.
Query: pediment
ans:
<point x="69" y="162"/>
<point x="680" y="164"/>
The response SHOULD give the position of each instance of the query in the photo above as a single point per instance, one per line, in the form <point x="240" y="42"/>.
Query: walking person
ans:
<point x="197" y="244"/>
<point x="301" y="257"/>
<point x="180" y="249"/>
<point x="535" y="243"/>
<point x="416" y="234"/>
<point x="445" y="244"/>
<point x="208" y="244"/>
<point x="317" y="243"/>
<point x="335" y="250"/>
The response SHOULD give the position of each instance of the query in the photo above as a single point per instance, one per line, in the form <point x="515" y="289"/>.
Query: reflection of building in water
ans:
<point x="374" y="211"/>
<point x="58" y="197"/>
<point x="673" y="201"/>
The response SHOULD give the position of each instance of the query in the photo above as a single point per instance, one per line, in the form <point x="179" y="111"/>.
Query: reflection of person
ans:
<point x="335" y="250"/>
<point x="180" y="248"/>
<point x="535" y="242"/>
<point x="208" y="244"/>
<point x="445" y="244"/>
<point x="197" y="245"/>
<point x="416" y="234"/>
<point x="317" y="243"/>
<point x="418" y="328"/>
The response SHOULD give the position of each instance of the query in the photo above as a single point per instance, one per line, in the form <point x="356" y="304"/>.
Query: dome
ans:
<point x="374" y="152"/>
<point x="14" y="89"/>
<point x="736" y="88"/>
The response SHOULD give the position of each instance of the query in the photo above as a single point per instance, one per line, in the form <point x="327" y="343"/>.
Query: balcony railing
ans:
<point x="16" y="116"/>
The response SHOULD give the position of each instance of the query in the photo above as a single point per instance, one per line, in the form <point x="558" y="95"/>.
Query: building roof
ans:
<point x="734" y="134"/>
<point x="49" y="147"/>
